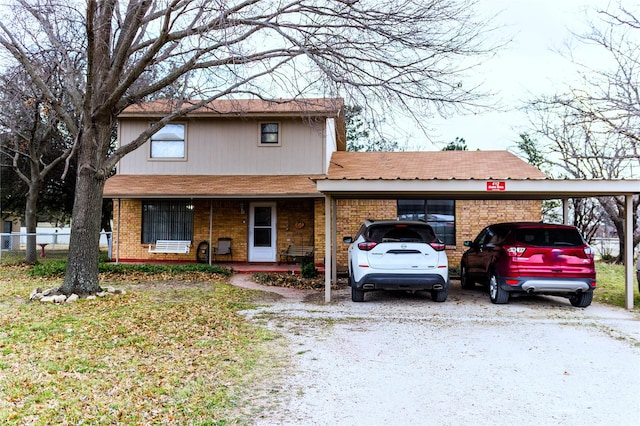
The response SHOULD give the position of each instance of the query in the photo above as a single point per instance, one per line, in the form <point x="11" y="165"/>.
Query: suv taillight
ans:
<point x="515" y="251"/>
<point x="588" y="251"/>
<point x="437" y="245"/>
<point x="367" y="245"/>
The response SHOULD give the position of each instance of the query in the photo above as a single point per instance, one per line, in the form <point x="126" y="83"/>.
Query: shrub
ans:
<point x="308" y="270"/>
<point x="57" y="268"/>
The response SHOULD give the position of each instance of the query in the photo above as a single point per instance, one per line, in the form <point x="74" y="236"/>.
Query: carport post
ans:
<point x="565" y="211"/>
<point x="328" y="246"/>
<point x="628" y="251"/>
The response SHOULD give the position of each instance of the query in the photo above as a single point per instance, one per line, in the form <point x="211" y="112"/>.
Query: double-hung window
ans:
<point x="269" y="134"/>
<point x="166" y="220"/>
<point x="169" y="142"/>
<point x="440" y="214"/>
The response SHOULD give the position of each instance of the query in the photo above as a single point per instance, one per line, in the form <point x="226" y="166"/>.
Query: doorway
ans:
<point x="262" y="232"/>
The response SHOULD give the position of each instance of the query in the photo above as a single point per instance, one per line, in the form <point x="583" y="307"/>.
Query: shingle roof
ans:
<point x="154" y="186"/>
<point x="431" y="165"/>
<point x="242" y="107"/>
<point x="427" y="165"/>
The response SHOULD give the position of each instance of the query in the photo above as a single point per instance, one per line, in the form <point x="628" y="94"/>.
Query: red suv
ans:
<point x="530" y="257"/>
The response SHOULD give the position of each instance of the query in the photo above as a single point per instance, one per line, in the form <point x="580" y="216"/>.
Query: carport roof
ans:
<point x="454" y="174"/>
<point x="429" y="165"/>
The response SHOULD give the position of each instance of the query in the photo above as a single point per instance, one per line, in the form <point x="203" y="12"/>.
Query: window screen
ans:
<point x="166" y="220"/>
<point x="269" y="133"/>
<point x="168" y="142"/>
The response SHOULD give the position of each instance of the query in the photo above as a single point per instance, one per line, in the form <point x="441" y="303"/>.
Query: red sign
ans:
<point x="493" y="185"/>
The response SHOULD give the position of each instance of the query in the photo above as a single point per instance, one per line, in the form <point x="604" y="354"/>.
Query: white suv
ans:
<point x="397" y="255"/>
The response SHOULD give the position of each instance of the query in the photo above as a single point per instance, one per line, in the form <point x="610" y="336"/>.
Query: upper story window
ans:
<point x="169" y="142"/>
<point x="440" y="214"/>
<point x="269" y="134"/>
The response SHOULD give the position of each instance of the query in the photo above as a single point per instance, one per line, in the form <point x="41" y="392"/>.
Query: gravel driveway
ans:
<point x="401" y="359"/>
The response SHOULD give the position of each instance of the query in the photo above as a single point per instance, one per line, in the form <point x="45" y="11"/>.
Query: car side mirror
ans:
<point x="347" y="240"/>
<point x="467" y="243"/>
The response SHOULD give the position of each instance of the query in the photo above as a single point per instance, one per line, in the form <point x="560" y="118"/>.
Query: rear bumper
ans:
<point x="412" y="282"/>
<point x="543" y="285"/>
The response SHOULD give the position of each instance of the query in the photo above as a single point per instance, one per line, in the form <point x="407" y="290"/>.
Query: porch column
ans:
<point x="210" y="233"/>
<point x="328" y="246"/>
<point x="565" y="211"/>
<point x="628" y="252"/>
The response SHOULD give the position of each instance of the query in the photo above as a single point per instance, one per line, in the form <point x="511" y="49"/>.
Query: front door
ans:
<point x="262" y="232"/>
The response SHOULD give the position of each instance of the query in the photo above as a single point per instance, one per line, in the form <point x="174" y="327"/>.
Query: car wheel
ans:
<point x="581" y="300"/>
<point x="357" y="295"/>
<point x="439" y="295"/>
<point x="465" y="281"/>
<point x="496" y="293"/>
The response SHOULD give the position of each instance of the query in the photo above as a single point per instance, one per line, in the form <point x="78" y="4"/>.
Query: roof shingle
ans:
<point x="241" y="107"/>
<point x="430" y="165"/>
<point x="154" y="186"/>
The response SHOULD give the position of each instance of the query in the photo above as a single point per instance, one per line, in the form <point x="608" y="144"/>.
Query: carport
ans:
<point x="376" y="184"/>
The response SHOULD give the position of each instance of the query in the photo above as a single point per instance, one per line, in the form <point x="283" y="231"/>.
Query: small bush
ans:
<point x="54" y="268"/>
<point x="308" y="270"/>
<point x="57" y="268"/>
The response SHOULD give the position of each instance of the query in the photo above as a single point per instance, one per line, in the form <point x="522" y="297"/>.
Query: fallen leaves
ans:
<point x="159" y="354"/>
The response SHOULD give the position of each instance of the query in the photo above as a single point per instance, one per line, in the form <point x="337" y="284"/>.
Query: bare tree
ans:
<point x="34" y="141"/>
<point x="408" y="54"/>
<point x="581" y="147"/>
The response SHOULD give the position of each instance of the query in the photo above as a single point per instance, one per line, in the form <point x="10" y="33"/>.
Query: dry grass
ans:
<point x="167" y="352"/>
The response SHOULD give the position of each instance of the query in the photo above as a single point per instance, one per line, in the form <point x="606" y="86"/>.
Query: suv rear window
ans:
<point x="401" y="233"/>
<point x="549" y="237"/>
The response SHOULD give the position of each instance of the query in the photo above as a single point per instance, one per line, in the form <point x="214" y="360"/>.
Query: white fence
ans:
<point x="605" y="247"/>
<point x="16" y="242"/>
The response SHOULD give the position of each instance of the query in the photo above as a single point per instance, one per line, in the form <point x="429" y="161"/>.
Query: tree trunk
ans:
<point x="31" y="222"/>
<point x="84" y="245"/>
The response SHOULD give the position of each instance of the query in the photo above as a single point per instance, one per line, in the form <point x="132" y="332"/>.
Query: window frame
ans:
<point x="261" y="132"/>
<point x="421" y="211"/>
<point x="172" y="215"/>
<point x="153" y="141"/>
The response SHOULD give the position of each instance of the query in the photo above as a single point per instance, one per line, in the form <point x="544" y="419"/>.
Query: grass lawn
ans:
<point x="610" y="288"/>
<point x="173" y="350"/>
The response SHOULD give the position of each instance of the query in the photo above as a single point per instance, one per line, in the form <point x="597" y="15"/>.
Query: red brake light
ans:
<point x="367" y="245"/>
<point x="437" y="245"/>
<point x="515" y="251"/>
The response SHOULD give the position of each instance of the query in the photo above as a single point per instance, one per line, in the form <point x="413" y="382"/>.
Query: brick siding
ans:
<point x="302" y="222"/>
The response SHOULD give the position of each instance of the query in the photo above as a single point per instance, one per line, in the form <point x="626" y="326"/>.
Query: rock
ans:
<point x="72" y="298"/>
<point x="36" y="294"/>
<point x="91" y="297"/>
<point x="59" y="298"/>
<point x="48" y="291"/>
<point x="47" y="299"/>
<point x="102" y="294"/>
<point x="110" y="290"/>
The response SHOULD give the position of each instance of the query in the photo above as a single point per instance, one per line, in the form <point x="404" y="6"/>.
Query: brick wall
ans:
<point x="471" y="217"/>
<point x="229" y="219"/>
<point x="350" y="214"/>
<point x="302" y="222"/>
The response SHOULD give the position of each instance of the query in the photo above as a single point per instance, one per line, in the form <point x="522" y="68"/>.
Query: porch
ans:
<point x="274" y="268"/>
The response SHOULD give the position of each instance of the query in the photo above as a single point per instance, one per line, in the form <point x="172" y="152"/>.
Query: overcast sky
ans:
<point x="529" y="65"/>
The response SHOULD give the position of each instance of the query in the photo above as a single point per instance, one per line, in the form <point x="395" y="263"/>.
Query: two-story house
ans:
<point x="246" y="170"/>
